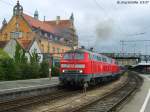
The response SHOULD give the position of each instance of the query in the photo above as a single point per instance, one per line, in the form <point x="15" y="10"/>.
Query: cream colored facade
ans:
<point x="54" y="48"/>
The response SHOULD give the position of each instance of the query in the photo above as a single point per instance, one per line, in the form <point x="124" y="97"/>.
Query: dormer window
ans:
<point x="56" y="38"/>
<point x="51" y="37"/>
<point x="45" y="34"/>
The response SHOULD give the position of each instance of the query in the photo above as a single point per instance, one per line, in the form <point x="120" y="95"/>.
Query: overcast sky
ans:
<point x="99" y="23"/>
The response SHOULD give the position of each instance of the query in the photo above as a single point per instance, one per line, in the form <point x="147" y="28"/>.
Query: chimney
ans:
<point x="57" y="20"/>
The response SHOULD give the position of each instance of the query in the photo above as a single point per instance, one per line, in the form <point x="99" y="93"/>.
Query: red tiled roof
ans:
<point x="61" y="29"/>
<point x="62" y="23"/>
<point x="38" y="24"/>
<point x="3" y="44"/>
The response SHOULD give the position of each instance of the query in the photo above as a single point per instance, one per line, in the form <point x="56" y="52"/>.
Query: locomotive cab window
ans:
<point x="74" y="56"/>
<point x="68" y="56"/>
<point x="78" y="56"/>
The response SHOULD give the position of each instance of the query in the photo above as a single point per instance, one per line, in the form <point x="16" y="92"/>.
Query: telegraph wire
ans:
<point x="5" y="2"/>
<point x="102" y="8"/>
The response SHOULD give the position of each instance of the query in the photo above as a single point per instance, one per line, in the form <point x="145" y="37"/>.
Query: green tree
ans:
<point x="55" y="71"/>
<point x="3" y="54"/>
<point x="34" y="57"/>
<point x="44" y="69"/>
<point x="2" y="75"/>
<point x="9" y="69"/>
<point x="20" y="55"/>
<point x="29" y="71"/>
<point x="17" y="56"/>
<point x="24" y="59"/>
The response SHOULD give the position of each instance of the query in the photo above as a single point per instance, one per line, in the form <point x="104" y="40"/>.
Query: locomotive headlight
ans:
<point x="63" y="71"/>
<point x="79" y="65"/>
<point x="80" y="71"/>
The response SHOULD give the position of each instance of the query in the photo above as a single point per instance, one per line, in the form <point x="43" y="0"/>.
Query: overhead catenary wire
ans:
<point x="108" y="15"/>
<point x="123" y="33"/>
<point x="102" y="9"/>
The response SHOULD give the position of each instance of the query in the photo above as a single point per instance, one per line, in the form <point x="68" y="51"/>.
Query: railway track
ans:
<point x="20" y="104"/>
<point x="112" y="101"/>
<point x="10" y="106"/>
<point x="103" y="104"/>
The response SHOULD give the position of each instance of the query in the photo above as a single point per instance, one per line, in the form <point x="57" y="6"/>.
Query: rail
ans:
<point x="112" y="101"/>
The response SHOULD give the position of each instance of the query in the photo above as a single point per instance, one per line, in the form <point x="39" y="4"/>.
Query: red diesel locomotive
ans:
<point x="81" y="66"/>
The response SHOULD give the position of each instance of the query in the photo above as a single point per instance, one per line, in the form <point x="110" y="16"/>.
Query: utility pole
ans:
<point x="122" y="46"/>
<point x="134" y="48"/>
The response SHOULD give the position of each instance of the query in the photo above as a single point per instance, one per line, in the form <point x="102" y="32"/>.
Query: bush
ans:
<point x="55" y="71"/>
<point x="3" y="54"/>
<point x="9" y="69"/>
<point x="29" y="71"/>
<point x="2" y="76"/>
<point x="44" y="69"/>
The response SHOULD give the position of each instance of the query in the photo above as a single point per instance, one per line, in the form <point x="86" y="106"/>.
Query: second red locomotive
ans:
<point x="81" y="66"/>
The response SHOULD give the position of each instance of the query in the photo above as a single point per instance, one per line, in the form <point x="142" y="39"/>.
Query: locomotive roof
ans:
<point x="109" y="59"/>
<point x="84" y="50"/>
<point x="76" y="50"/>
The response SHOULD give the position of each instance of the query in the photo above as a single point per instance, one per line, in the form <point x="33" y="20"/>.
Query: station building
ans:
<point x="52" y="37"/>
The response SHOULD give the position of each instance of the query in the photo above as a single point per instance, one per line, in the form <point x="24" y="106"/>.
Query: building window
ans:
<point x="51" y="37"/>
<point x="16" y="35"/>
<point x="53" y="49"/>
<point x="56" y="38"/>
<point x="45" y="34"/>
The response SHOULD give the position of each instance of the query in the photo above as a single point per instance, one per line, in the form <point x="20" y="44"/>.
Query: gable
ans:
<point x="24" y="43"/>
<point x="36" y="47"/>
<point x="12" y="27"/>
